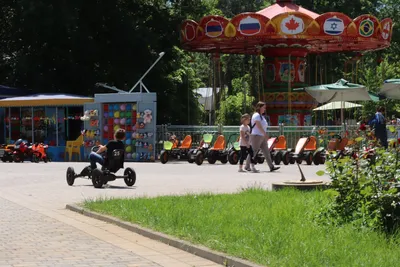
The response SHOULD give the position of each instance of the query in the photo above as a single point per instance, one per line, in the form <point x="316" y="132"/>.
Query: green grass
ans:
<point x="269" y="228"/>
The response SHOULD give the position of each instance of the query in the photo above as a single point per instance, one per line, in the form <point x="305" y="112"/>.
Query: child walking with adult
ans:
<point x="244" y="142"/>
<point x="259" y="136"/>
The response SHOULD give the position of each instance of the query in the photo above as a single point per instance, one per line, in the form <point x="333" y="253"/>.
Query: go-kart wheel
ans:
<point x="35" y="159"/>
<point x="199" y="158"/>
<point x="3" y="159"/>
<point x="299" y="160"/>
<point x="211" y="159"/>
<point x="97" y="178"/>
<point x="286" y="158"/>
<point x="17" y="158"/>
<point x="317" y="158"/>
<point x="70" y="176"/>
<point x="309" y="158"/>
<point x="164" y="157"/>
<point x="278" y="159"/>
<point x="190" y="160"/>
<point x="260" y="160"/>
<point x="131" y="177"/>
<point x="233" y="157"/>
<point x="224" y="159"/>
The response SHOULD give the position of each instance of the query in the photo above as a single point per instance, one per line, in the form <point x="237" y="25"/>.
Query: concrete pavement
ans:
<point x="37" y="230"/>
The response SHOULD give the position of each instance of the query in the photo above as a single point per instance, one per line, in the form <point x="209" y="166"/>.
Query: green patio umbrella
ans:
<point x="342" y="91"/>
<point x="391" y="89"/>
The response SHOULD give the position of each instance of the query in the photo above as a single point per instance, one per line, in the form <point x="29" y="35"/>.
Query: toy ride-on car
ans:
<point x="198" y="154"/>
<point x="171" y="149"/>
<point x="107" y="172"/>
<point x="337" y="145"/>
<point x="218" y="151"/>
<point x="306" y="149"/>
<point x="6" y="153"/>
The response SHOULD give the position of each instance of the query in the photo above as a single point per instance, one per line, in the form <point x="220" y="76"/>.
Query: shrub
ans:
<point x="365" y="185"/>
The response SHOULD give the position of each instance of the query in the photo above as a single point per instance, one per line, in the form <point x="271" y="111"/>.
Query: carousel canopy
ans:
<point x="391" y="89"/>
<point x="6" y="91"/>
<point x="45" y="100"/>
<point x="338" y="105"/>
<point x="286" y="24"/>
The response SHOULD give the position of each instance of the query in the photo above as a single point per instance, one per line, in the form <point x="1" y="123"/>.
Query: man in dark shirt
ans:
<point x="379" y="124"/>
<point x="117" y="143"/>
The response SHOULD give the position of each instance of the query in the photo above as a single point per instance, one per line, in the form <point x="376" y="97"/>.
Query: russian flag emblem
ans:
<point x="213" y="28"/>
<point x="249" y="26"/>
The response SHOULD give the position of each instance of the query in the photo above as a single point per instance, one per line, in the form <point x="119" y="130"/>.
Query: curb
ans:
<point x="201" y="251"/>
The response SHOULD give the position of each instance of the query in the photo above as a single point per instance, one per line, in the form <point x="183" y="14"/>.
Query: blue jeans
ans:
<point x="95" y="158"/>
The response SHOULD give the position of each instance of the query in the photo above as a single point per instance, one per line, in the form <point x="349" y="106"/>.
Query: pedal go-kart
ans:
<point x="171" y="149"/>
<point x="337" y="145"/>
<point x="107" y="172"/>
<point x="198" y="154"/>
<point x="6" y="153"/>
<point x="218" y="151"/>
<point x="306" y="149"/>
<point x="234" y="150"/>
<point x="280" y="153"/>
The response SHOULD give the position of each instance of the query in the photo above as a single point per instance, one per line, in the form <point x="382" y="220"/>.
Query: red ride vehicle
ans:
<point x="22" y="150"/>
<point x="39" y="152"/>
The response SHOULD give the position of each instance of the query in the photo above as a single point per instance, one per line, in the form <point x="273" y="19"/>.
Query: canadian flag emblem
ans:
<point x="292" y="25"/>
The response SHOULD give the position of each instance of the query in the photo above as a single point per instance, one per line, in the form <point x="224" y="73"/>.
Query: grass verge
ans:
<point x="269" y="228"/>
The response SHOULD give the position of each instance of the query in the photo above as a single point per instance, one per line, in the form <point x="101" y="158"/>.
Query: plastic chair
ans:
<point x="74" y="147"/>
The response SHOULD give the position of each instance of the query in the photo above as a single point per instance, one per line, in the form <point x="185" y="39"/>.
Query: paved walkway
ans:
<point x="37" y="230"/>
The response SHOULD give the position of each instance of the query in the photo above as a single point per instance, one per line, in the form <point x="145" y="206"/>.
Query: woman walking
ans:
<point x="259" y="136"/>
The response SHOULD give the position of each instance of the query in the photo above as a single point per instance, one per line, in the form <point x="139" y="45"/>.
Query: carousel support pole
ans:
<point x="67" y="126"/>
<point x="56" y="126"/>
<point x="290" y="87"/>
<point x="33" y="126"/>
<point x="9" y="125"/>
<point x="316" y="69"/>
<point x="261" y="77"/>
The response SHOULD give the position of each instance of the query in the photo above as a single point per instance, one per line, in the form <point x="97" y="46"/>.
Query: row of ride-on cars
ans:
<point x="229" y="151"/>
<point x="22" y="150"/>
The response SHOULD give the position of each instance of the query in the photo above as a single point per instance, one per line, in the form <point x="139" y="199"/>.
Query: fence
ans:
<point x="231" y="133"/>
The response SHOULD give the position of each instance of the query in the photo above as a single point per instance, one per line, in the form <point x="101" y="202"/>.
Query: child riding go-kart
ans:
<point x="6" y="153"/>
<point x="172" y="149"/>
<point x="111" y="157"/>
<point x="39" y="152"/>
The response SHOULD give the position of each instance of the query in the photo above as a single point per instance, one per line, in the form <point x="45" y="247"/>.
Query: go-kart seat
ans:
<point x="311" y="145"/>
<point x="186" y="143"/>
<point x="116" y="161"/>
<point x="342" y="144"/>
<point x="219" y="143"/>
<point x="281" y="144"/>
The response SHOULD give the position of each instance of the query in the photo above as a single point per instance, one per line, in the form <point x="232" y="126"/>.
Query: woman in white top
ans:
<point x="259" y="136"/>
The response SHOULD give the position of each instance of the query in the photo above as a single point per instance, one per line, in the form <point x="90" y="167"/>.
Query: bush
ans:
<point x="365" y="185"/>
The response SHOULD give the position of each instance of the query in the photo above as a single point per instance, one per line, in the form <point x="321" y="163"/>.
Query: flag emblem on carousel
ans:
<point x="213" y="28"/>
<point x="333" y="26"/>
<point x="292" y="25"/>
<point x="249" y="26"/>
<point x="366" y="28"/>
<point x="190" y="32"/>
<point x="386" y="30"/>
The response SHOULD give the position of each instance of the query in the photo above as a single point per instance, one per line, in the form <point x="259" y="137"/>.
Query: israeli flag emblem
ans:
<point x="333" y="26"/>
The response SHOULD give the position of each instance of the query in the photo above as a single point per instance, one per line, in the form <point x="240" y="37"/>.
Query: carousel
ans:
<point x="285" y="34"/>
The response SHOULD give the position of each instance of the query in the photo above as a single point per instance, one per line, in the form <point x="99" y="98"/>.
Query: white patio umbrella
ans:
<point x="391" y="89"/>
<point x="337" y="105"/>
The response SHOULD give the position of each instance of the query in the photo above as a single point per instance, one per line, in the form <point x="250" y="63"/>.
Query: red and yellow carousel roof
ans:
<point x="285" y="24"/>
